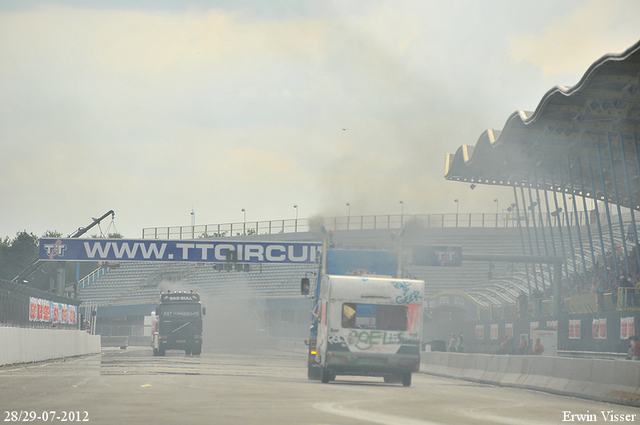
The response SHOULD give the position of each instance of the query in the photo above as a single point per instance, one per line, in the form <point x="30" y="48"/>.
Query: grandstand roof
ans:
<point x="555" y="145"/>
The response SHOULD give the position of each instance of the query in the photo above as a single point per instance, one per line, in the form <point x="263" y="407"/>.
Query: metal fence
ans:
<point x="361" y="222"/>
<point x="15" y="302"/>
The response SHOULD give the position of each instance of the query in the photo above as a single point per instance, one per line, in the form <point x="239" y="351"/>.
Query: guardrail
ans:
<point x="91" y="277"/>
<point x="362" y="222"/>
<point x="612" y="381"/>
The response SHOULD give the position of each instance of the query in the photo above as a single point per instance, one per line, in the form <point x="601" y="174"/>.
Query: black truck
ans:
<point x="178" y="323"/>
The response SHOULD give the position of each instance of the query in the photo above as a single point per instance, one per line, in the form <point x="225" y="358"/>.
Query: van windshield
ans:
<point x="374" y="316"/>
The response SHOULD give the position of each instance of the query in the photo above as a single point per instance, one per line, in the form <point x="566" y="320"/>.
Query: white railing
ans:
<point x="363" y="222"/>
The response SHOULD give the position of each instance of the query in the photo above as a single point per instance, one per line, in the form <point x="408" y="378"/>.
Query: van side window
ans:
<point x="349" y="315"/>
<point x="374" y="316"/>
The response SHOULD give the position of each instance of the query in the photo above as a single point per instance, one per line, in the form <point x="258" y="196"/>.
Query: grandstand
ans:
<point x="580" y="143"/>
<point x="140" y="282"/>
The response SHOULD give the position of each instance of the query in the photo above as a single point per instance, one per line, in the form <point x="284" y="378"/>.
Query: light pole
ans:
<point x="244" y="221"/>
<point x="401" y="214"/>
<point x="497" y="210"/>
<point x="295" y="225"/>
<point x="193" y="223"/>
<point x="457" y="210"/>
<point x="349" y="215"/>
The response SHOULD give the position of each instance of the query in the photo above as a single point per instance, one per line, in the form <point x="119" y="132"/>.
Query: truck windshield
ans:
<point x="374" y="316"/>
<point x="179" y="311"/>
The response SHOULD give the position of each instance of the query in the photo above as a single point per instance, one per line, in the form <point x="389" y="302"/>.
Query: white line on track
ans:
<point x="342" y="409"/>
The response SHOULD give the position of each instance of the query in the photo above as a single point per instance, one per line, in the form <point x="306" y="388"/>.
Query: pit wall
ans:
<point x="25" y="345"/>
<point x="614" y="381"/>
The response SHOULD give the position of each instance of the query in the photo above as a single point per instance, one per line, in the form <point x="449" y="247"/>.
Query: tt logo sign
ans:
<point x="444" y="257"/>
<point x="436" y="256"/>
<point x="55" y="250"/>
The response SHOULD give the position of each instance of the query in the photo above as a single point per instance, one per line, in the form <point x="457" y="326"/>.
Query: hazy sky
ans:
<point x="222" y="105"/>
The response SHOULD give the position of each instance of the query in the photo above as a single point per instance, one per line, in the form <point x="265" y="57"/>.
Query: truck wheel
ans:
<point x="406" y="379"/>
<point x="325" y="375"/>
<point x="155" y="351"/>
<point x="187" y="351"/>
<point x="196" y="351"/>
<point x="161" y="352"/>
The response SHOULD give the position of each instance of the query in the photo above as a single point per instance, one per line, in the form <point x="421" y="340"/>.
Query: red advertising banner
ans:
<point x="599" y="329"/>
<point x="479" y="331"/>
<point x="48" y="311"/>
<point x="626" y="327"/>
<point x="33" y="309"/>
<point x="508" y="329"/>
<point x="494" y="331"/>
<point x="40" y="312"/>
<point x="532" y="326"/>
<point x="602" y="329"/>
<point x="574" y="329"/>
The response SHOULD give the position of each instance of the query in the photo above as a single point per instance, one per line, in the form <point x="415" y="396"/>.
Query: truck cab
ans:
<point x="177" y="324"/>
<point x="369" y="326"/>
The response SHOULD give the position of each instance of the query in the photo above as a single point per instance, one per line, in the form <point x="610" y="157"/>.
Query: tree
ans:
<point x="17" y="254"/>
<point x="52" y="234"/>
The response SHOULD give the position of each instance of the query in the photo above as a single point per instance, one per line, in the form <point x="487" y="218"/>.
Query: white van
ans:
<point x="369" y="326"/>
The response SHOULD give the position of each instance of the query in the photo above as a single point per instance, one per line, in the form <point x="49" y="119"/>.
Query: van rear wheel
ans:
<point x="325" y="376"/>
<point x="313" y="373"/>
<point x="406" y="379"/>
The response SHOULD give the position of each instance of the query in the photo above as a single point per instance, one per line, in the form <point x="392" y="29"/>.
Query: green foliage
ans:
<point x="17" y="254"/>
<point x="52" y="234"/>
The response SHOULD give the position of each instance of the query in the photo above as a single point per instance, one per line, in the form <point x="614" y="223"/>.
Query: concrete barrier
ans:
<point x="615" y="381"/>
<point x="26" y="345"/>
<point x="115" y="341"/>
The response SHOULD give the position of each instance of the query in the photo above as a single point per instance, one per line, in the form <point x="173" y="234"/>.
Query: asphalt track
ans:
<point x="264" y="387"/>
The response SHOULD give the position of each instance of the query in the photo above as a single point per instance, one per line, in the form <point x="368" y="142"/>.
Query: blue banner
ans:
<point x="200" y="251"/>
